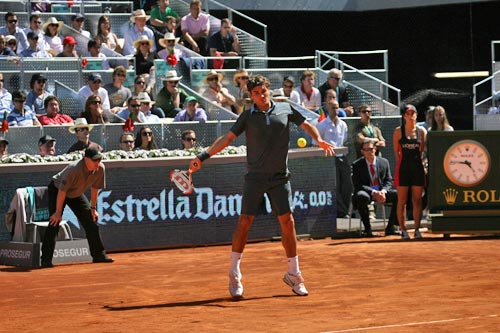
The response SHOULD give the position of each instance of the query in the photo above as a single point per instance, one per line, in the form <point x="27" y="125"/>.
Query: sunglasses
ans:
<point x="53" y="25"/>
<point x="173" y="82"/>
<point x="1" y="80"/>
<point x="190" y="139"/>
<point x="19" y="100"/>
<point x="41" y="81"/>
<point x="81" y="129"/>
<point x="136" y="106"/>
<point x="140" y="82"/>
<point x="335" y="78"/>
<point x="128" y="141"/>
<point x="121" y="75"/>
<point x="145" y="43"/>
<point x="95" y="102"/>
<point x="244" y="77"/>
<point x="213" y="79"/>
<point x="147" y="134"/>
<point x="172" y="41"/>
<point x="366" y="111"/>
<point x="34" y="38"/>
<point x="288" y="86"/>
<point x="12" y="21"/>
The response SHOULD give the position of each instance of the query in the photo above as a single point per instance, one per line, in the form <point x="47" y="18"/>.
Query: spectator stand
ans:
<point x="253" y="43"/>
<point x="364" y="88"/>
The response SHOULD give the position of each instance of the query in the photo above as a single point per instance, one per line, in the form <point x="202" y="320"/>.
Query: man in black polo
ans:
<point x="267" y="129"/>
<point x="67" y="188"/>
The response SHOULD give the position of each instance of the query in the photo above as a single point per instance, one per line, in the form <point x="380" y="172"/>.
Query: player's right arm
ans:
<point x="219" y="144"/>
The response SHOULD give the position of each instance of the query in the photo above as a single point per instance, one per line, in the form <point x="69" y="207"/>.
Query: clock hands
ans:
<point x="465" y="162"/>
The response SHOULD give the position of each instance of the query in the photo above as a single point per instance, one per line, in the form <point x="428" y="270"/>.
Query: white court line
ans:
<point x="412" y="324"/>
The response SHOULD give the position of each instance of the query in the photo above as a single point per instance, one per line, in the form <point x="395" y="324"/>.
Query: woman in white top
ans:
<point x="440" y="121"/>
<point x="51" y="30"/>
<point x="106" y="36"/>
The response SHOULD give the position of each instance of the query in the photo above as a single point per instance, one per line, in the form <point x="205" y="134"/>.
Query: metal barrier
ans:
<point x="68" y="71"/>
<point x="167" y="135"/>
<point x="374" y="91"/>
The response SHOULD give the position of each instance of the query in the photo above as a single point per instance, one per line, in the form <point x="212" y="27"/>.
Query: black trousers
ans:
<point x="81" y="207"/>
<point x="362" y="199"/>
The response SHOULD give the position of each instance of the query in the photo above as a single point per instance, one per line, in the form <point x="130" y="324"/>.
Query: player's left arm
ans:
<point x="313" y="133"/>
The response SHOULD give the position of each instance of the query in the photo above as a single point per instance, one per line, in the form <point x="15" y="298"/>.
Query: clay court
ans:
<point x="379" y="284"/>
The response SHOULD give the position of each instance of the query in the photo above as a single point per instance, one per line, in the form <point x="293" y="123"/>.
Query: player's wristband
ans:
<point x="204" y="155"/>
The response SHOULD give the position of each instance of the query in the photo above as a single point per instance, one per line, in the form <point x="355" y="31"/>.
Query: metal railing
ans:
<point x="387" y="96"/>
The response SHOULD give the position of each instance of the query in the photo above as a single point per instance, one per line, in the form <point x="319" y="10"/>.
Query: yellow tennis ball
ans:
<point x="301" y="142"/>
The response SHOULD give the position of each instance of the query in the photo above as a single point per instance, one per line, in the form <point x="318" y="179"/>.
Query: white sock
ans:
<point x="293" y="265"/>
<point x="235" y="261"/>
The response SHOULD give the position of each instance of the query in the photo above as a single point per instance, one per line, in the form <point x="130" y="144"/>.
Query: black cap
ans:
<point x="2" y="139"/>
<point x="38" y="77"/>
<point x="44" y="139"/>
<point x="94" y="77"/>
<point x="93" y="153"/>
<point x="77" y="16"/>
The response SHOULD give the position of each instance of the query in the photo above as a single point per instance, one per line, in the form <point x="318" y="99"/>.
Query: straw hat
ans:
<point x="138" y="13"/>
<point x="171" y="76"/>
<point x="213" y="73"/>
<point x="241" y="72"/>
<point x="144" y="97"/>
<point x="141" y="39"/>
<point x="80" y="123"/>
<point x="168" y="36"/>
<point x="52" y="20"/>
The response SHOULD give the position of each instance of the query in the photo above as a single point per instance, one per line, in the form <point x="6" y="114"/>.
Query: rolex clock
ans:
<point x="466" y="163"/>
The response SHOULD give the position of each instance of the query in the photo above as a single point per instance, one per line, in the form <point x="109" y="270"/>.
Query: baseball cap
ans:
<point x="190" y="99"/>
<point x="44" y="139"/>
<point x="69" y="40"/>
<point x="93" y="153"/>
<point x="289" y="78"/>
<point x="77" y="16"/>
<point x="2" y="139"/>
<point x="95" y="77"/>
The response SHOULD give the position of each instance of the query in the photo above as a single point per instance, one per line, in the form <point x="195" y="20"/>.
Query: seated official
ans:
<point x="372" y="181"/>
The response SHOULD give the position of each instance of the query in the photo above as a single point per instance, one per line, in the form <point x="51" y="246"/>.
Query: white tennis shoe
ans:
<point x="296" y="282"/>
<point x="235" y="285"/>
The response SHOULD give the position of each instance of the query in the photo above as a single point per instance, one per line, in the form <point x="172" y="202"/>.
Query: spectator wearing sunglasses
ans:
<point x="288" y="89"/>
<point x="216" y="92"/>
<point x="93" y="111"/>
<point x="127" y="141"/>
<point x="366" y="131"/>
<point x="82" y="131"/>
<point x="34" y="50"/>
<point x="191" y="111"/>
<point x="77" y="21"/>
<point x="145" y="139"/>
<point x="133" y="107"/>
<point x="53" y="115"/>
<point x="12" y="28"/>
<point x="94" y="87"/>
<point x="188" y="139"/>
<point x="171" y="96"/>
<point x="11" y="43"/>
<point x="36" y="27"/>
<point x="5" y="51"/>
<point x="118" y="94"/>
<point x="21" y="114"/>
<point x="38" y="93"/>
<point x="334" y="82"/>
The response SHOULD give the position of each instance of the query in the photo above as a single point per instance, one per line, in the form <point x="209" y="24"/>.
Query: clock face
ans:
<point x="466" y="163"/>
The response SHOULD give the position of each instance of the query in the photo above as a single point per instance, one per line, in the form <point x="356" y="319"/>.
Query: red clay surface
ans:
<point x="356" y="285"/>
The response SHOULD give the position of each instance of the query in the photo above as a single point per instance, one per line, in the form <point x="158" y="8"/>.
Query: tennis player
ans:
<point x="267" y="129"/>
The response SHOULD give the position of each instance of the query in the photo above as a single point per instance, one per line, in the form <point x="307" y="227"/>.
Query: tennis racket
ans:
<point x="183" y="180"/>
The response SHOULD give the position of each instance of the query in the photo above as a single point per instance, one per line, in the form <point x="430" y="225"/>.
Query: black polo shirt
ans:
<point x="267" y="136"/>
